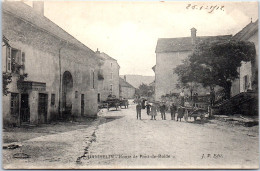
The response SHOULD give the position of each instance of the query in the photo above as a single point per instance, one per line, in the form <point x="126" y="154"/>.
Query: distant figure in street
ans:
<point x="195" y="99"/>
<point x="138" y="110"/>
<point x="162" y="110"/>
<point x="181" y="111"/>
<point x="212" y="97"/>
<point x="173" y="109"/>
<point x="148" y="108"/>
<point x="182" y="97"/>
<point x="153" y="111"/>
<point x="143" y="103"/>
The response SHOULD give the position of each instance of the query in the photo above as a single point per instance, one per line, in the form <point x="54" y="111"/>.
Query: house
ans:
<point x="248" y="72"/>
<point x="126" y="90"/>
<point x="108" y="82"/>
<point x="170" y="52"/>
<point x="54" y="76"/>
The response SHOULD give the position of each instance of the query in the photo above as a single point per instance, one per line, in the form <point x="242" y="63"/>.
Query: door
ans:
<point x="42" y="108"/>
<point x="15" y="104"/>
<point x="82" y="104"/>
<point x="25" y="110"/>
<point x="98" y="97"/>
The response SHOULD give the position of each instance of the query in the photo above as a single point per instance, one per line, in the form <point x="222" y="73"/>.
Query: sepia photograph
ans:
<point x="129" y="84"/>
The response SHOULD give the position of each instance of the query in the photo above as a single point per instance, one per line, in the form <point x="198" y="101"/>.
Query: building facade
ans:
<point x="127" y="91"/>
<point x="170" y="52"/>
<point x="108" y="82"/>
<point x="248" y="72"/>
<point x="53" y="74"/>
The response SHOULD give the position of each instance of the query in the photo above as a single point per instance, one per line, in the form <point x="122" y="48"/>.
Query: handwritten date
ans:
<point x="208" y="8"/>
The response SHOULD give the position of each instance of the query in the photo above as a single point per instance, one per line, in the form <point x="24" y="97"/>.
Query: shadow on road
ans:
<point x="106" y="119"/>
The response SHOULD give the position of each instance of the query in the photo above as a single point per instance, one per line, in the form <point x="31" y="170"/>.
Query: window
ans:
<point x="93" y="79"/>
<point x="52" y="99"/>
<point x="76" y="94"/>
<point x="15" y="59"/>
<point x="23" y="57"/>
<point x="111" y="64"/>
<point x="8" y="59"/>
<point x="111" y="88"/>
<point x="111" y="75"/>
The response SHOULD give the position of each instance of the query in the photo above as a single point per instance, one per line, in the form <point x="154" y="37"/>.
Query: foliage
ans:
<point x="145" y="90"/>
<point x="7" y="79"/>
<point x="216" y="63"/>
<point x="16" y="67"/>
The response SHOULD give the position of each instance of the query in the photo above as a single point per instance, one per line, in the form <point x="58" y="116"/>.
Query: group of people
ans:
<point x="153" y="108"/>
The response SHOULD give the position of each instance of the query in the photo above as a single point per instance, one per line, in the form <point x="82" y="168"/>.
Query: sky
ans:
<point x="128" y="30"/>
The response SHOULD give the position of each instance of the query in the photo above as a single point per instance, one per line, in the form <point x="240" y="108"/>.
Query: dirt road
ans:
<point x="119" y="140"/>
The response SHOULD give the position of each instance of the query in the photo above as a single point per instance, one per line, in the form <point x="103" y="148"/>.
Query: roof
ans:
<point x="123" y="83"/>
<point x="184" y="43"/>
<point x="247" y="31"/>
<point x="106" y="56"/>
<point x="27" y="13"/>
<point x="152" y="83"/>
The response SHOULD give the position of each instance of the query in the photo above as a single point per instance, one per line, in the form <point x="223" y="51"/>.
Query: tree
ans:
<point x="216" y="63"/>
<point x="186" y="79"/>
<point x="145" y="90"/>
<point x="7" y="79"/>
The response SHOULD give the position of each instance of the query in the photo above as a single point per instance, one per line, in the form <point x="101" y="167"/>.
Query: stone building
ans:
<point x="61" y="72"/>
<point x="248" y="72"/>
<point x="170" y="52"/>
<point x="108" y="82"/>
<point x="127" y="91"/>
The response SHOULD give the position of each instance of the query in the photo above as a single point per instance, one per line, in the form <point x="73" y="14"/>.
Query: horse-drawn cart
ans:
<point x="112" y="103"/>
<point x="199" y="111"/>
<point x="124" y="102"/>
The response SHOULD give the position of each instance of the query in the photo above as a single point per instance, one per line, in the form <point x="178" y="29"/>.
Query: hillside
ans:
<point x="136" y="80"/>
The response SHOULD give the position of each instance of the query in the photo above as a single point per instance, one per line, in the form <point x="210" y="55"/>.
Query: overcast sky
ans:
<point x="128" y="31"/>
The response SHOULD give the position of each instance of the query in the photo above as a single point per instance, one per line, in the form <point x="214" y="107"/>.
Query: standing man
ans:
<point x="138" y="110"/>
<point x="182" y="97"/>
<point x="173" y="109"/>
<point x="212" y="97"/>
<point x="148" y="108"/>
<point x="162" y="110"/>
<point x="153" y="111"/>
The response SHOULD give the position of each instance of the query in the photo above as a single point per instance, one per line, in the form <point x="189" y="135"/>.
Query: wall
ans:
<point x="127" y="92"/>
<point x="104" y="85"/>
<point x="165" y="79"/>
<point x="247" y="68"/>
<point x="42" y="52"/>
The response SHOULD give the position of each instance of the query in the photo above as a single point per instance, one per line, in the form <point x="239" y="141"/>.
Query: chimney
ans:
<point x="38" y="6"/>
<point x="125" y="78"/>
<point x="193" y="35"/>
<point x="97" y="52"/>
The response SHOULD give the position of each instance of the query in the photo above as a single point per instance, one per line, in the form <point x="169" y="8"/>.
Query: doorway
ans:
<point x="42" y="108"/>
<point x="25" y="110"/>
<point x="98" y="97"/>
<point x="15" y="104"/>
<point x="82" y="104"/>
<point x="67" y="94"/>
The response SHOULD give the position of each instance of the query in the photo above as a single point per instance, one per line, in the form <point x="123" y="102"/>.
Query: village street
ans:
<point x="118" y="140"/>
